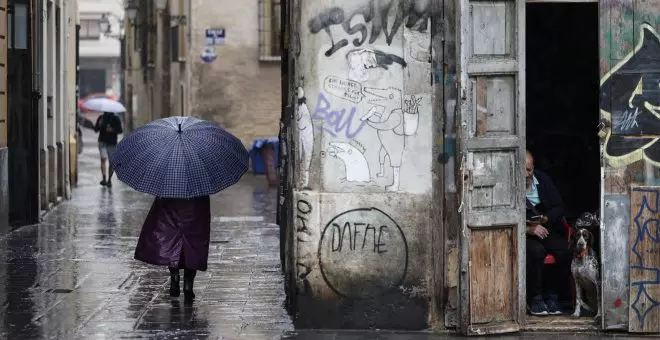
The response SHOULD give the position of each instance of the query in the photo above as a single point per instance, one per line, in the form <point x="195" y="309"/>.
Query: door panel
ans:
<point x="486" y="300"/>
<point x="492" y="148"/>
<point x="492" y="106"/>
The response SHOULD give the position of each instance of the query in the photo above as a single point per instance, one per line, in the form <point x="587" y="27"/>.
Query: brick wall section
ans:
<point x="236" y="90"/>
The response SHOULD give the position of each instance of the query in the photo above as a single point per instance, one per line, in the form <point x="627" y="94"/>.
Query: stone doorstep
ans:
<point x="51" y="205"/>
<point x="430" y="334"/>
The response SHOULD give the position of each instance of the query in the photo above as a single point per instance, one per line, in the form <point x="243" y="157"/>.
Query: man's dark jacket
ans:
<point x="551" y="204"/>
<point x="108" y="118"/>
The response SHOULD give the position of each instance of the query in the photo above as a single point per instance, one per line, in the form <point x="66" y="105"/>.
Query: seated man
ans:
<point x="545" y="234"/>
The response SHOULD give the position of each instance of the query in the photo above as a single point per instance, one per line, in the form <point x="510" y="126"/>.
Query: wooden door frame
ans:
<point x="525" y="325"/>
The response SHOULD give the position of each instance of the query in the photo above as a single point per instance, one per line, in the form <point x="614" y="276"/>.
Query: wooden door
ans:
<point x="492" y="150"/>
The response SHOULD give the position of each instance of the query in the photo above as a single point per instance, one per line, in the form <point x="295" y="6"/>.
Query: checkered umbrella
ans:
<point x="180" y="157"/>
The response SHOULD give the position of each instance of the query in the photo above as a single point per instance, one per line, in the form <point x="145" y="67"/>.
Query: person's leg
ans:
<point x="111" y="152"/>
<point x="175" y="279"/>
<point x="557" y="281"/>
<point x="104" y="156"/>
<point x="188" y="280"/>
<point x="535" y="255"/>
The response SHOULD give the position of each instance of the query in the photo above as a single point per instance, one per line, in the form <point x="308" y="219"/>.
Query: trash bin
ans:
<point x="264" y="157"/>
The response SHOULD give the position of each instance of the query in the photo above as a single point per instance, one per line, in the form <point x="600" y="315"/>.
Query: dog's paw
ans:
<point x="575" y="315"/>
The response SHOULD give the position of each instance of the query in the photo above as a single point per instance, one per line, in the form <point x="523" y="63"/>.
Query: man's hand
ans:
<point x="538" y="231"/>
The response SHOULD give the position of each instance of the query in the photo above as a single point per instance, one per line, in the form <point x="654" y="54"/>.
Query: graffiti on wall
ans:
<point x="647" y="279"/>
<point x="363" y="119"/>
<point x="304" y="235"/>
<point x="305" y="136"/>
<point x="375" y="16"/>
<point x="356" y="167"/>
<point x="363" y="253"/>
<point x="630" y="102"/>
<point x="336" y="120"/>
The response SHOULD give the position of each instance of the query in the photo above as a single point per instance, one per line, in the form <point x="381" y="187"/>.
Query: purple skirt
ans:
<point x="176" y="233"/>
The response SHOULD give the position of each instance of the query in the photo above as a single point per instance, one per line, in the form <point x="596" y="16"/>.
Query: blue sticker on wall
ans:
<point x="208" y="54"/>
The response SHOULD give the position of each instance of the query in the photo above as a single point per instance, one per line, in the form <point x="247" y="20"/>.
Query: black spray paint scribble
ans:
<point x="303" y="210"/>
<point x="631" y="94"/>
<point x="360" y="61"/>
<point x="415" y="13"/>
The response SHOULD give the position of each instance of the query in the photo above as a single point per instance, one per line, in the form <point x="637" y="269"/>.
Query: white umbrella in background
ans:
<point x="104" y="105"/>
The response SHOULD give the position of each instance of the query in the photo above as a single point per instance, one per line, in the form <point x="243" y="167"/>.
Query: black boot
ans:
<point x="188" y="280"/>
<point x="175" y="279"/>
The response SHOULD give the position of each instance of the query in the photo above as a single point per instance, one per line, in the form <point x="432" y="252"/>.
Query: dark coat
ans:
<point x="105" y="120"/>
<point x="176" y="233"/>
<point x="551" y="204"/>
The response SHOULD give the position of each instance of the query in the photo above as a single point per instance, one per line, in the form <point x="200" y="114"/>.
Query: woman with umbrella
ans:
<point x="181" y="161"/>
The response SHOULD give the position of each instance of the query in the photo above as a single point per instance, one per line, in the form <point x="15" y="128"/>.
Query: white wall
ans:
<point x="364" y="156"/>
<point x="103" y="53"/>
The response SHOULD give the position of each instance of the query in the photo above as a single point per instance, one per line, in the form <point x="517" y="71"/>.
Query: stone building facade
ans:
<point x="174" y="68"/>
<point x="38" y="116"/>
<point x="404" y="131"/>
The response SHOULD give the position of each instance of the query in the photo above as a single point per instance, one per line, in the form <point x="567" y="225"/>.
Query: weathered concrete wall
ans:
<point x="629" y="59"/>
<point x="236" y="90"/>
<point x="363" y="155"/>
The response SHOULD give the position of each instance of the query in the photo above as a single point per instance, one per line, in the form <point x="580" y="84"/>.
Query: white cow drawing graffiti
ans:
<point x="357" y="168"/>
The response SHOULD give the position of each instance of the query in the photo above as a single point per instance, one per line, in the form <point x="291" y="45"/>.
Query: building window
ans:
<point x="18" y="27"/>
<point x="269" y="30"/>
<point x="90" y="30"/>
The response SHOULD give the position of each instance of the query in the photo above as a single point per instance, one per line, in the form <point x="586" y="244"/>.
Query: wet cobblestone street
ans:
<point x="74" y="277"/>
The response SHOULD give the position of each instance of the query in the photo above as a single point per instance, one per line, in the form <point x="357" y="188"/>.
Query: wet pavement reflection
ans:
<point x="73" y="276"/>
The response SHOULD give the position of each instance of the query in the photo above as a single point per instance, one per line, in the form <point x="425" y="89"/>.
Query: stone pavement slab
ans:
<point x="74" y="277"/>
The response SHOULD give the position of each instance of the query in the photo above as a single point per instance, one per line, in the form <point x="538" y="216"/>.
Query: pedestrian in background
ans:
<point x="108" y="126"/>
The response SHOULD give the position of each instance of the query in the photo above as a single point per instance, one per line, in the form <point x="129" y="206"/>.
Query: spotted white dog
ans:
<point x="584" y="268"/>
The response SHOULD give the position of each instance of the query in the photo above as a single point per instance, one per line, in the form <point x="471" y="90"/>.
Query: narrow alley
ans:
<point x="73" y="276"/>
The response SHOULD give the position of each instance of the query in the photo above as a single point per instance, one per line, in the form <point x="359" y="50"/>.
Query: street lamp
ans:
<point x="161" y="5"/>
<point x="104" y="24"/>
<point x="131" y="12"/>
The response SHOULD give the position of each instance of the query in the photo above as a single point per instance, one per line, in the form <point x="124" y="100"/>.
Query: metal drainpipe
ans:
<point x="37" y="51"/>
<point x="166" y="63"/>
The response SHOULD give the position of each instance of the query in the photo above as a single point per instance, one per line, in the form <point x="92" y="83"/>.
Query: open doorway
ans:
<point x="562" y="86"/>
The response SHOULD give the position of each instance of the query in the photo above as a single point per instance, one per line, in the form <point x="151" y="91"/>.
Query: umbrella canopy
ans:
<point x="180" y="157"/>
<point x="103" y="105"/>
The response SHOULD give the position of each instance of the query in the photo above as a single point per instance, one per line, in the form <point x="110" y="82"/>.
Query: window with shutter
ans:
<point x="269" y="30"/>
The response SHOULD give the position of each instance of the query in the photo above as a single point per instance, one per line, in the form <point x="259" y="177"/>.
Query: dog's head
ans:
<point x="587" y="220"/>
<point x="583" y="240"/>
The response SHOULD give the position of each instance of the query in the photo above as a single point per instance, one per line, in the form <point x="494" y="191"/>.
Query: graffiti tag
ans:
<point x="415" y="14"/>
<point x="647" y="279"/>
<point x="363" y="253"/>
<point x="336" y="121"/>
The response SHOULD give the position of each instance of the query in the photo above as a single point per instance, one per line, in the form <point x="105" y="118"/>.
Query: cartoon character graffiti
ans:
<point x="393" y="124"/>
<point x="305" y="136"/>
<point x="360" y="61"/>
<point x="352" y="155"/>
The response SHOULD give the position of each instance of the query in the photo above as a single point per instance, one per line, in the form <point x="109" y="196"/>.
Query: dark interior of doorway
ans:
<point x="562" y="86"/>
<point x="562" y="99"/>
